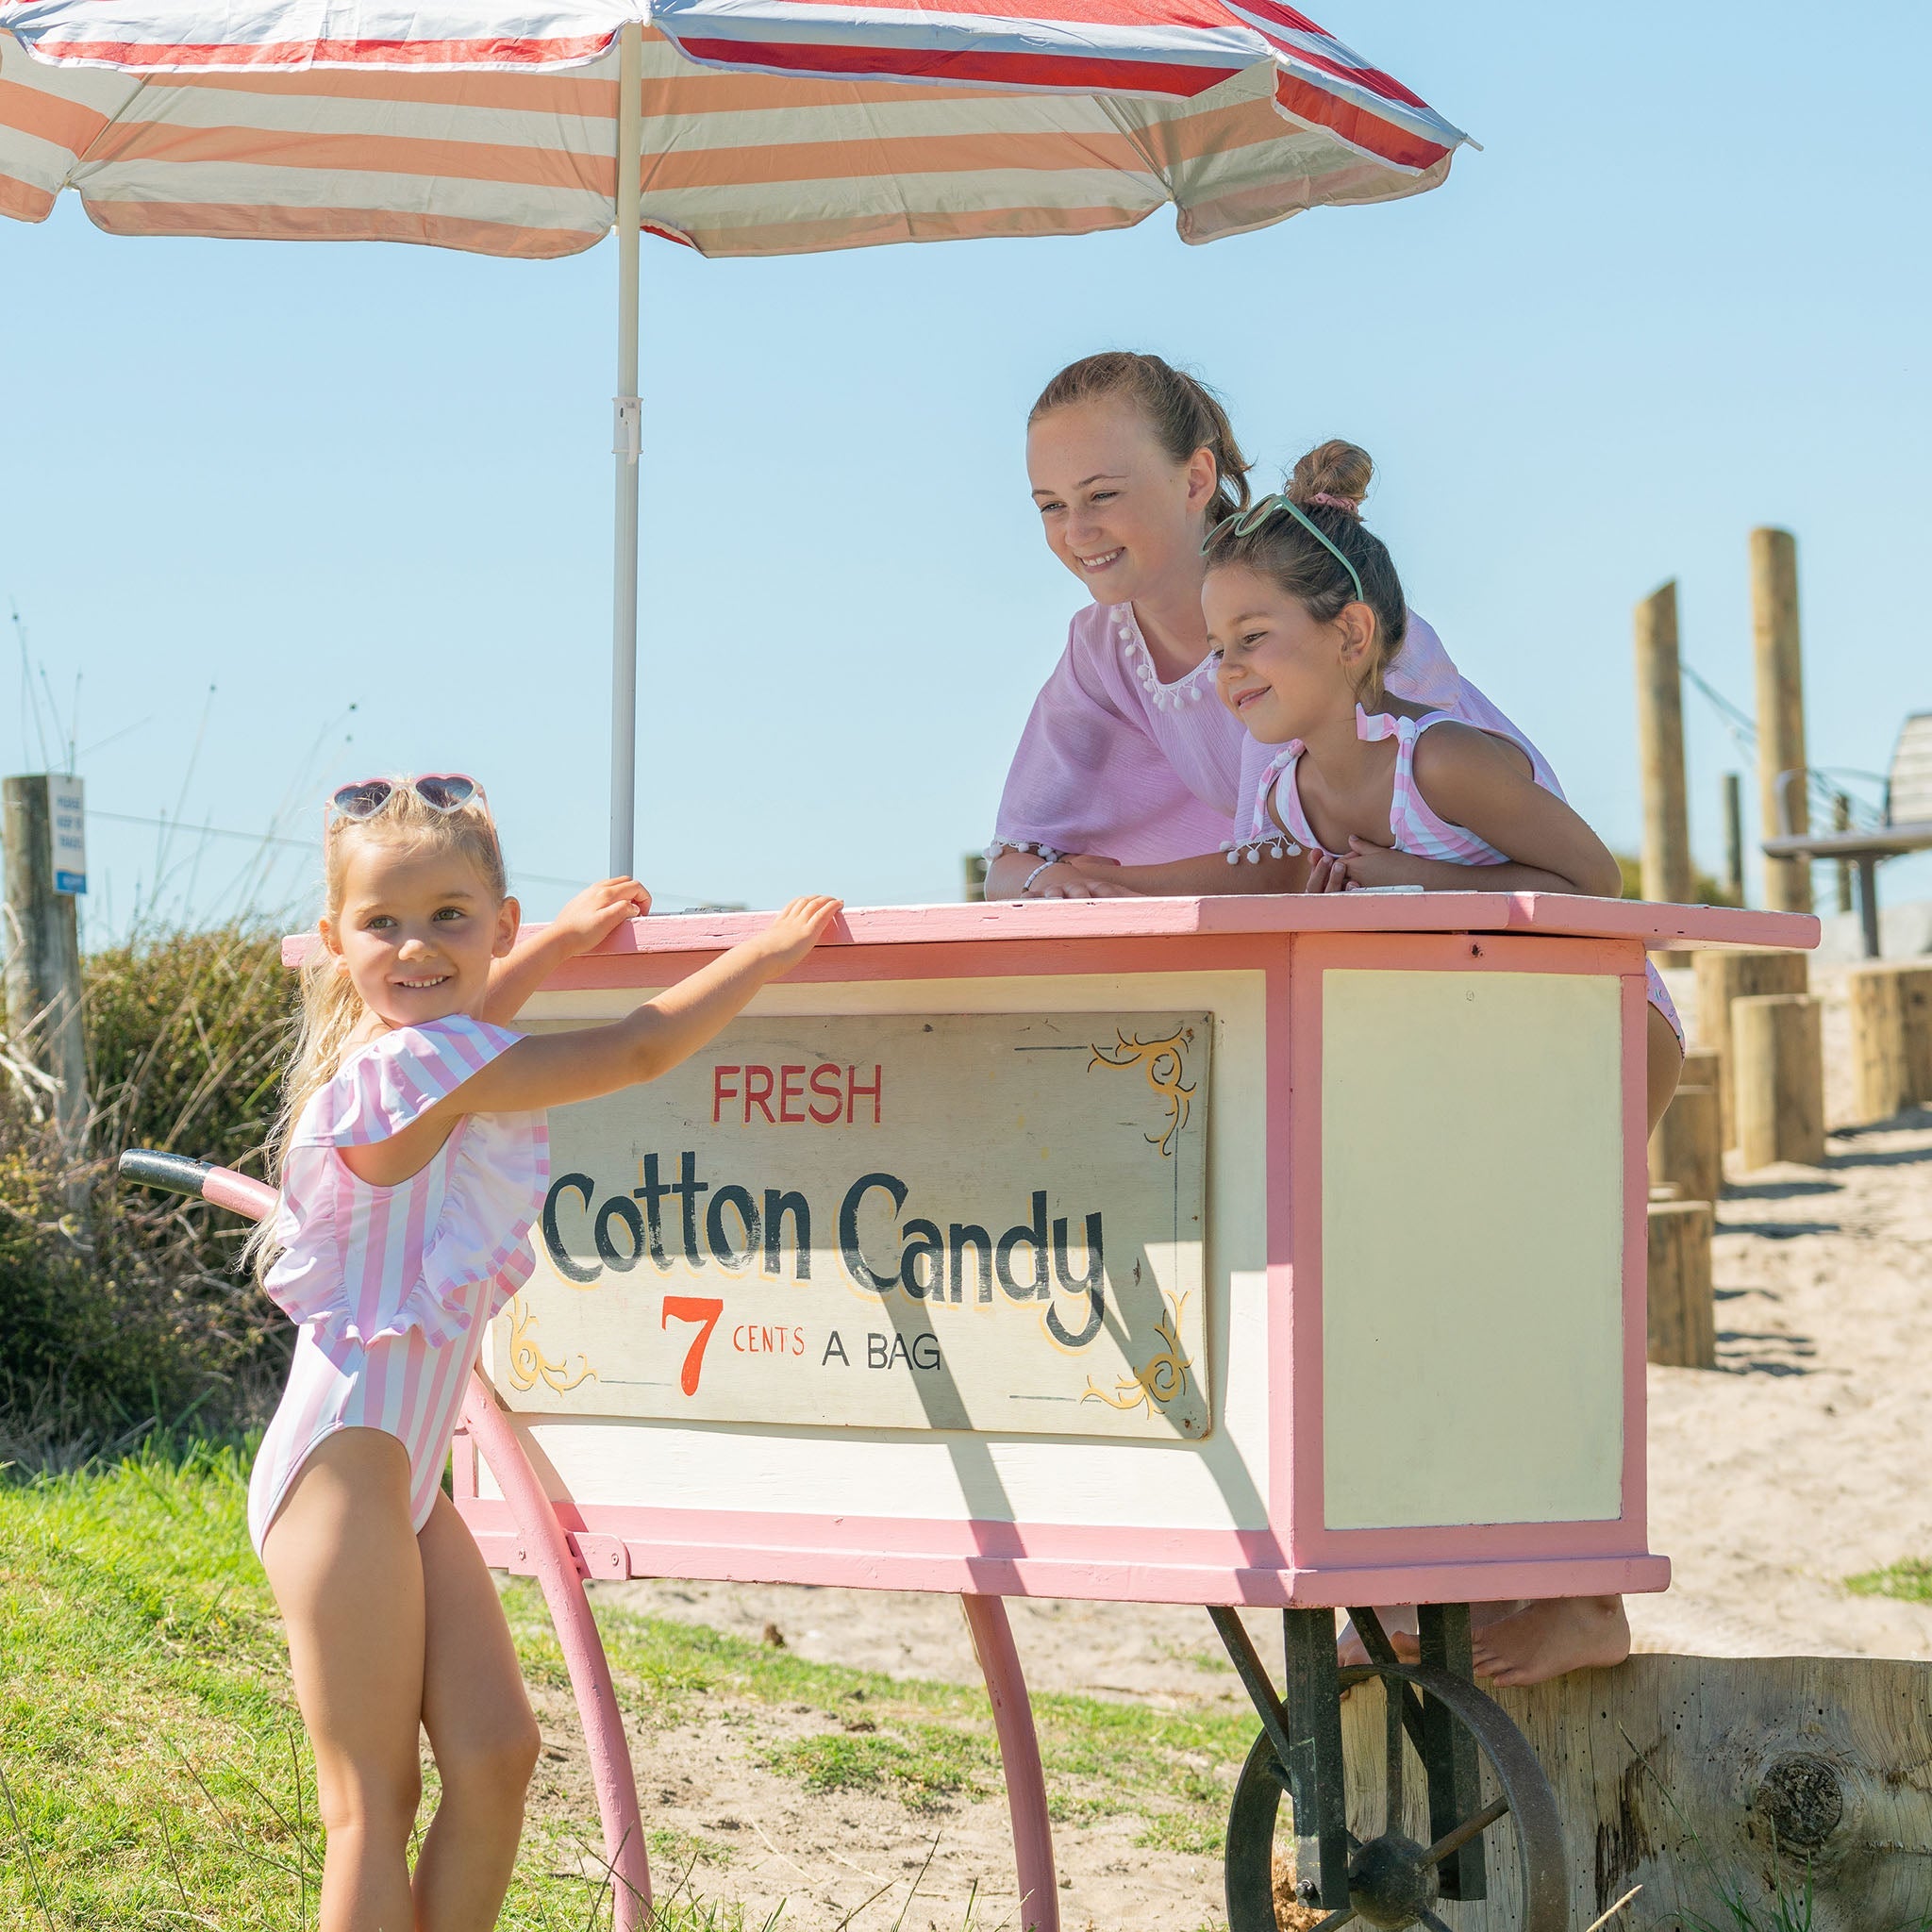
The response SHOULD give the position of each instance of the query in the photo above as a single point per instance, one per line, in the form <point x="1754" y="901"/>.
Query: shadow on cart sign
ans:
<point x="990" y="1223"/>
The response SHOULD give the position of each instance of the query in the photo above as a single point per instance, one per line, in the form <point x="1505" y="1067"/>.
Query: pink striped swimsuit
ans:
<point x="1414" y="825"/>
<point x="393" y="1287"/>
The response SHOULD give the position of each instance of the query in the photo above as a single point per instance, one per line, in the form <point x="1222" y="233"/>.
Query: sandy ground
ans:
<point x="1801" y="1461"/>
<point x="1804" y="1459"/>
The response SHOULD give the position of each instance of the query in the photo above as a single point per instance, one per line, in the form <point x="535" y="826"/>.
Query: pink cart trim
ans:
<point x="239" y="1193"/>
<point x="987" y="1557"/>
<point x="1295" y="1237"/>
<point x="700" y="934"/>
<point x="1012" y="1717"/>
<point x="555" y="1564"/>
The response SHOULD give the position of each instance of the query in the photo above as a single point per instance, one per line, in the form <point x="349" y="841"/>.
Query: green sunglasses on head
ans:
<point x="1244" y="521"/>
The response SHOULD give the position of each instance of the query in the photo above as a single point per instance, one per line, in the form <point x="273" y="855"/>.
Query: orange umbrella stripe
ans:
<point x="812" y="238"/>
<point x="47" y="117"/>
<point x="261" y="222"/>
<point x="428" y="160"/>
<point x="25" y="202"/>
<point x="596" y="174"/>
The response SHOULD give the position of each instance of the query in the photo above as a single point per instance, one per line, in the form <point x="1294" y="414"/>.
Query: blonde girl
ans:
<point x="1306" y="611"/>
<point x="413" y="1160"/>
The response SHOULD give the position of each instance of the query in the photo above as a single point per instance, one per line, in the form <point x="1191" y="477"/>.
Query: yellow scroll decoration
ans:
<point x="1148" y="1055"/>
<point x="1160" y="1378"/>
<point x="528" y="1361"/>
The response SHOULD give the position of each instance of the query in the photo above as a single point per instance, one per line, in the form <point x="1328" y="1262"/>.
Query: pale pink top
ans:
<point x="1115" y="763"/>
<point x="393" y="1287"/>
<point x="1414" y="825"/>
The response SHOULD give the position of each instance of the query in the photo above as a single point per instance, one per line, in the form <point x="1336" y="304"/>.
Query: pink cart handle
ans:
<point x="559" y="1572"/>
<point x="1012" y="1717"/>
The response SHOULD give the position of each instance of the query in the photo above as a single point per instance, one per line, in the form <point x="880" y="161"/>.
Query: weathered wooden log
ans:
<point x="1879" y="1083"/>
<point x="1781" y="712"/>
<point x="1683" y="1315"/>
<point x="1660" y="755"/>
<point x="1721" y="978"/>
<point x="1701" y="1065"/>
<point x="1892" y="1035"/>
<point x="1915" y="1004"/>
<point x="1777" y="1079"/>
<point x="1687" y="1148"/>
<point x="1722" y="1786"/>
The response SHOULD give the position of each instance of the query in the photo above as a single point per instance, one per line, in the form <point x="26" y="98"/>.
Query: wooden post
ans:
<point x="1660" y="755"/>
<point x="1892" y="1036"/>
<point x="1777" y="1079"/>
<point x="1702" y="1067"/>
<point x="1841" y="822"/>
<point x="1703" y="1779"/>
<point x="1723" y="978"/>
<point x="1687" y="1148"/>
<point x="1915" y="1011"/>
<point x="1734" y="836"/>
<point x="1683" y="1311"/>
<point x="1878" y="1043"/>
<point x="43" y="959"/>
<point x="1780" y="709"/>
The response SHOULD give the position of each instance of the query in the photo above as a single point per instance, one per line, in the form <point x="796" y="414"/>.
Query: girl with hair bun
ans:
<point x="1306" y="613"/>
<point x="1128" y="767"/>
<point x="1305" y="617"/>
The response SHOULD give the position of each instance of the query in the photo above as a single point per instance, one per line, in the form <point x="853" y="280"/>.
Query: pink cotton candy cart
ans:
<point x="1281" y="1252"/>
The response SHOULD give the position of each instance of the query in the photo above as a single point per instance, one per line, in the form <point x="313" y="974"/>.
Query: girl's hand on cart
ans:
<point x="1369" y="864"/>
<point x="597" y="912"/>
<point x="587" y="922"/>
<point x="1083" y="877"/>
<point x="797" y="929"/>
<point x="1326" y="873"/>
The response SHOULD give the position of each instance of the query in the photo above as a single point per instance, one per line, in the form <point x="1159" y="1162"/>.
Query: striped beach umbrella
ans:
<point x="735" y="127"/>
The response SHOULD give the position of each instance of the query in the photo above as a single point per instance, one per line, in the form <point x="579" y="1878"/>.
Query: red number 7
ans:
<point x="703" y="1310"/>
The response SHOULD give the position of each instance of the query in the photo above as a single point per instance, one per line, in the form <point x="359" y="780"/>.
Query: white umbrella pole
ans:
<point x="630" y="427"/>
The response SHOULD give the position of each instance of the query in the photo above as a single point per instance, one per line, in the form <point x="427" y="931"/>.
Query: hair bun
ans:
<point x="1332" y="469"/>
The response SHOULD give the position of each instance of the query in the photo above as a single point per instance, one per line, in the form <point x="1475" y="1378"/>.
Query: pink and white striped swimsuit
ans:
<point x="1414" y="825"/>
<point x="393" y="1287"/>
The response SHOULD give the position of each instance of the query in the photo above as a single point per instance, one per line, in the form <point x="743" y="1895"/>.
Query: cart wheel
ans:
<point x="1393" y="1880"/>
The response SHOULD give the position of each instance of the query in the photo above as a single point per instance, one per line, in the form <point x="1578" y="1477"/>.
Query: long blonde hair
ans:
<point x="331" y="1006"/>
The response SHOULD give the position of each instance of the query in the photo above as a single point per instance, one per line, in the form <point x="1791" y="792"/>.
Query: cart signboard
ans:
<point x="981" y="1222"/>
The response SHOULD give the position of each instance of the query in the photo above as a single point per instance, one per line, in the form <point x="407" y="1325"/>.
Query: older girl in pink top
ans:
<point x="1127" y="760"/>
<point x="413" y="1156"/>
<point x="1305" y="610"/>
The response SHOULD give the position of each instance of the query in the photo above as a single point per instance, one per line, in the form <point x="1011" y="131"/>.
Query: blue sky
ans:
<point x="1675" y="297"/>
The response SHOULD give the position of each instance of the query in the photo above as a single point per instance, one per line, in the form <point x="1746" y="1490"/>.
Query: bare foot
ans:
<point x="1544" y="1639"/>
<point x="1351" y="1651"/>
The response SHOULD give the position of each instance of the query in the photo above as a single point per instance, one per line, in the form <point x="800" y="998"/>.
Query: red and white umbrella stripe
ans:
<point x="799" y="125"/>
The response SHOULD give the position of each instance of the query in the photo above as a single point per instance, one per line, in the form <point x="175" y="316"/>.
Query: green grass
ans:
<point x="156" y="1773"/>
<point x="1910" y="1579"/>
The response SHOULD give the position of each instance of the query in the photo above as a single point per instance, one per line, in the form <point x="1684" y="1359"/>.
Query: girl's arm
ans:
<point x="1009" y="871"/>
<point x="1205" y="878"/>
<point x="551" y="1069"/>
<point x="1474" y="780"/>
<point x="585" y="924"/>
